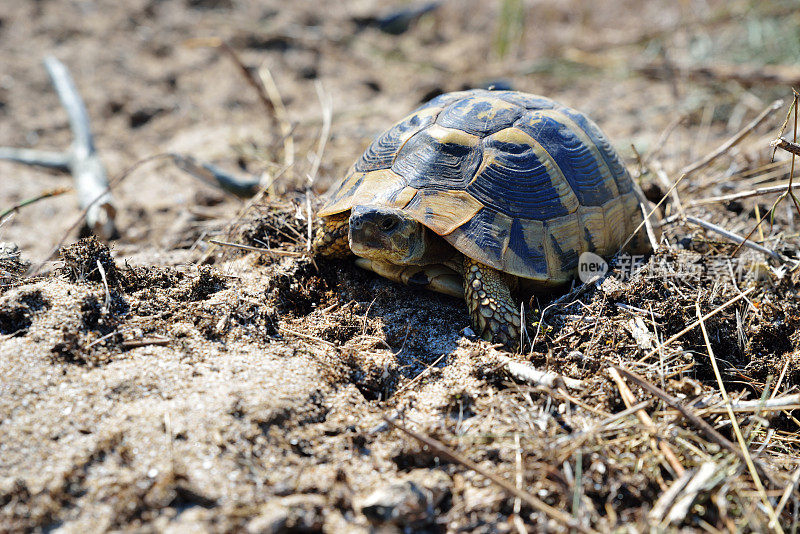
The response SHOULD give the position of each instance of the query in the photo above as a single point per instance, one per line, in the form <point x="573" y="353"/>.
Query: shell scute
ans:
<point x="484" y="236"/>
<point x="526" y="248"/>
<point x="439" y="158"/>
<point x="525" y="100"/>
<point x="520" y="179"/>
<point x="562" y="247"/>
<point x="480" y="115"/>
<point x="380" y="154"/>
<point x="607" y="152"/>
<point x="590" y="181"/>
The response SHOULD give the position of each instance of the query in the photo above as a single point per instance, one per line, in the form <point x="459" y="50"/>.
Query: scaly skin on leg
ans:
<point x="495" y="315"/>
<point x="332" y="237"/>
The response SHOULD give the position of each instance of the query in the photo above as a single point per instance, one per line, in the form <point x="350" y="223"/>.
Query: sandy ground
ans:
<point x="198" y="388"/>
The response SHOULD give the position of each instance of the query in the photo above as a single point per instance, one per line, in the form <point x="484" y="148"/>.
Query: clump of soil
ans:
<point x="98" y="323"/>
<point x="207" y="282"/>
<point x="89" y="260"/>
<point x="104" y="314"/>
<point x="16" y="315"/>
<point x="273" y="227"/>
<point x="298" y="288"/>
<point x="150" y="280"/>
<point x="12" y="266"/>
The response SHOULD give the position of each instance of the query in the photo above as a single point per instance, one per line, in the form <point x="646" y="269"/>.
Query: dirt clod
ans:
<point x="12" y="266"/>
<point x="81" y="261"/>
<point x="17" y="312"/>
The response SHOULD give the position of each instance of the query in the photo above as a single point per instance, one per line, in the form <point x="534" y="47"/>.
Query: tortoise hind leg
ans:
<point x="332" y="239"/>
<point x="494" y="314"/>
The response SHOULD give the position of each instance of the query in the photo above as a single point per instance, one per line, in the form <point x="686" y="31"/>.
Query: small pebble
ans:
<point x="576" y="355"/>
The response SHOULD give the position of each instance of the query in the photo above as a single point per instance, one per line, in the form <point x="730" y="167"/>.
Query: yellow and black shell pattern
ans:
<point x="513" y="180"/>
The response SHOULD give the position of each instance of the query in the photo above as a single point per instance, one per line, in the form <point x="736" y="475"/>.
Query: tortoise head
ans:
<point x="387" y="234"/>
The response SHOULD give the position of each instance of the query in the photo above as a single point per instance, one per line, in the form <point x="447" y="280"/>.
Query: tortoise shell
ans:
<point x="513" y="180"/>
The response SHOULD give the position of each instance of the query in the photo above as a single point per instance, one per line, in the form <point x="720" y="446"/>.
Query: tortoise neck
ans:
<point x="437" y="249"/>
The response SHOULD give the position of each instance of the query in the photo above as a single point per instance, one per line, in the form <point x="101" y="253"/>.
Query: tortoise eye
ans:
<point x="388" y="223"/>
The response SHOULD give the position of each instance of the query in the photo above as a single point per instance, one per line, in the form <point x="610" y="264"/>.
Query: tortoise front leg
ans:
<point x="494" y="314"/>
<point x="332" y="238"/>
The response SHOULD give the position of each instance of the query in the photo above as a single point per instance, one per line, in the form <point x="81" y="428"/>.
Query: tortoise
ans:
<point x="484" y="195"/>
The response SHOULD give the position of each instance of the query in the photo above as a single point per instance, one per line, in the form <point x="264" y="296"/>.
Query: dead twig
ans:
<point x="91" y="182"/>
<point x="525" y="372"/>
<point x="774" y="404"/>
<point x="744" y="194"/>
<point x="709" y="431"/>
<point x="253" y="201"/>
<point x="268" y="251"/>
<point x="510" y="488"/>
<point x="579" y="436"/>
<point x="518" y="523"/>
<point x="647" y="215"/>
<point x="746" y="75"/>
<point x="267" y="93"/>
<point x="39" y="158"/>
<point x="135" y="343"/>
<point x="789" y="188"/>
<point x="81" y="160"/>
<point x="684" y="497"/>
<point x="630" y="400"/>
<point x="101" y="339"/>
<point x="662" y="139"/>
<point x="662" y="177"/>
<point x="788" y="146"/>
<point x="666" y="501"/>
<point x="326" y="103"/>
<point x="397" y="20"/>
<point x="251" y="79"/>
<point x="281" y="115"/>
<point x="212" y="175"/>
<point x="327" y="116"/>
<point x="113" y="183"/>
<point x="733" y="141"/>
<point x="306" y="336"/>
<point x="419" y="376"/>
<point x="790" y="489"/>
<point x="648" y="224"/>
<point x="107" y="303"/>
<point x="745" y="451"/>
<point x="736" y="238"/>
<point x="695" y="323"/>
